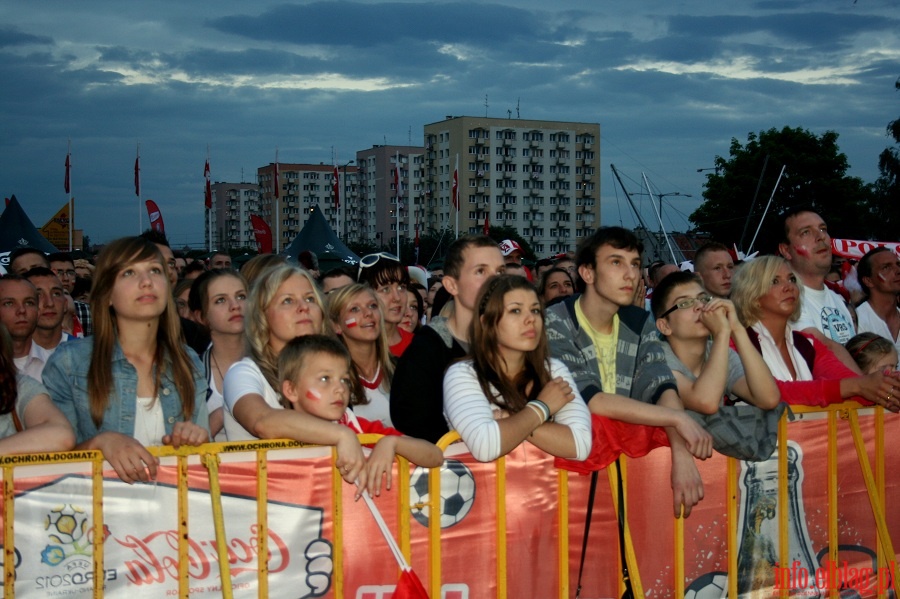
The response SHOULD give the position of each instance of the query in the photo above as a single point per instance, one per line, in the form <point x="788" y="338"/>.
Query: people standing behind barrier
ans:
<point x="415" y="307"/>
<point x="555" y="283"/>
<point x="19" y="314"/>
<point x="768" y="298"/>
<point x="713" y="376"/>
<point x="284" y="303"/>
<point x="255" y="266"/>
<point x="384" y="273"/>
<point x="806" y="245"/>
<point x="132" y="383"/>
<point x="873" y="353"/>
<point x="511" y="391"/>
<point x="715" y="267"/>
<point x="355" y="315"/>
<point x="879" y="275"/>
<point x="707" y="369"/>
<point x="613" y="351"/>
<point x="217" y="300"/>
<point x="316" y="381"/>
<point x="53" y="307"/>
<point x="417" y="392"/>
<point x="29" y="422"/>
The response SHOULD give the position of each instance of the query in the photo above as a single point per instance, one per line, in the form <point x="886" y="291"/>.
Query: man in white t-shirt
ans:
<point x="19" y="313"/>
<point x="879" y="275"/>
<point x="806" y="245"/>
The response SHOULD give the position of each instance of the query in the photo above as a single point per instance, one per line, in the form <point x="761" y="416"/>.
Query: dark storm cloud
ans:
<point x="367" y="25"/>
<point x="13" y="36"/>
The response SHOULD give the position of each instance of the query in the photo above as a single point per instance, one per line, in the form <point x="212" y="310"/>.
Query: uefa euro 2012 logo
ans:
<point x="70" y="534"/>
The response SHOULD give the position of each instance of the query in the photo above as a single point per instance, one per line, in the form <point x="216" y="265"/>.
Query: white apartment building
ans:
<point x="377" y="215"/>
<point x="232" y="205"/>
<point x="301" y="186"/>
<point x="540" y="177"/>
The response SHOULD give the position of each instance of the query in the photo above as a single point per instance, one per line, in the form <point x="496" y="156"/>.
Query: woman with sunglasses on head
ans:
<point x="384" y="273"/>
<point x="216" y="301"/>
<point x="282" y="305"/>
<point x="766" y="296"/>
<point x="356" y="316"/>
<point x="511" y="390"/>
<point x="133" y="383"/>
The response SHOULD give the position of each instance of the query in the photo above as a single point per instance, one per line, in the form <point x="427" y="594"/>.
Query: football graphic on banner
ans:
<point x="457" y="493"/>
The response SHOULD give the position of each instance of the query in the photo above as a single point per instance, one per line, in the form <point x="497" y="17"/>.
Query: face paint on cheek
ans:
<point x="350" y="323"/>
<point x="313" y="395"/>
<point x="803" y="251"/>
<point x="882" y="277"/>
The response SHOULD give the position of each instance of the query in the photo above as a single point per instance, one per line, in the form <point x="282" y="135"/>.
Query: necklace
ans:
<point x="216" y="364"/>
<point x="376" y="380"/>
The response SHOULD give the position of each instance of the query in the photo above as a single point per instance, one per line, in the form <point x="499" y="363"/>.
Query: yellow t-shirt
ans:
<point x="604" y="346"/>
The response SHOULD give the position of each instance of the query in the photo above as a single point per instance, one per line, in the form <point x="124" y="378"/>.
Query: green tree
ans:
<point x="815" y="176"/>
<point x="886" y="190"/>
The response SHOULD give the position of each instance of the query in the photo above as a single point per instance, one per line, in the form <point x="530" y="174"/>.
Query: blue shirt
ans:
<point x="66" y="378"/>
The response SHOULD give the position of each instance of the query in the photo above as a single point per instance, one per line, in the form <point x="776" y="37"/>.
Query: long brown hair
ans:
<point x="512" y="394"/>
<point x="337" y="301"/>
<point x="116" y="256"/>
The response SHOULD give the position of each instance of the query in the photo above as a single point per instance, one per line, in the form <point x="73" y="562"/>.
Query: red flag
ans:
<point x="137" y="176"/>
<point x="208" y="186"/>
<point x="263" y="234"/>
<point x="68" y="167"/>
<point x="397" y="178"/>
<point x="276" y="177"/>
<point x="156" y="220"/>
<point x="487" y="221"/>
<point x="409" y="587"/>
<point x="336" y="188"/>
<point x="455" y="197"/>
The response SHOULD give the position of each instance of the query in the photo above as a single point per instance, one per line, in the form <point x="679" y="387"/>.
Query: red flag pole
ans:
<point x="277" y="214"/>
<point x="137" y="189"/>
<point x="69" y="190"/>
<point x="208" y="203"/>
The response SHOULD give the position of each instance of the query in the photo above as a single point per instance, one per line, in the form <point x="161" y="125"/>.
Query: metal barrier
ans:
<point x="209" y="456"/>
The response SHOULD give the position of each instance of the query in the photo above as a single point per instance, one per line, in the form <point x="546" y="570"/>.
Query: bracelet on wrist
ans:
<point x="542" y="408"/>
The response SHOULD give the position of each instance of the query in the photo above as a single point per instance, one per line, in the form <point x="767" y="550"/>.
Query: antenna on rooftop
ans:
<point x="485" y="105"/>
<point x="518" y="116"/>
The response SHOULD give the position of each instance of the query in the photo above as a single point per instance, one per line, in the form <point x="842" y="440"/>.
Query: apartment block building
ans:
<point x="388" y="203"/>
<point x="301" y="186"/>
<point x="232" y="205"/>
<point x="539" y="177"/>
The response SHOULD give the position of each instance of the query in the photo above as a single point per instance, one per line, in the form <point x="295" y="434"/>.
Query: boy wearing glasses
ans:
<point x="698" y="329"/>
<point x="613" y="351"/>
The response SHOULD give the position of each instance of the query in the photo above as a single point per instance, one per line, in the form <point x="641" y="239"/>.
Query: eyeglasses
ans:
<point x="370" y="260"/>
<point x="686" y="303"/>
<point x="65" y="274"/>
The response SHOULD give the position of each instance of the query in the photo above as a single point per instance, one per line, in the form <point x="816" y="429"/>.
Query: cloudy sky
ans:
<point x="670" y="82"/>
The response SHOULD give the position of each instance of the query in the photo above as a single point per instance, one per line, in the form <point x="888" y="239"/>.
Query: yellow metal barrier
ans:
<point x="210" y="458"/>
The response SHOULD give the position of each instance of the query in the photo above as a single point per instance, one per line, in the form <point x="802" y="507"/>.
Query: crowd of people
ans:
<point x="141" y="347"/>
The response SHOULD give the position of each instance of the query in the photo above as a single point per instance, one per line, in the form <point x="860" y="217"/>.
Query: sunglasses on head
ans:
<point x="688" y="302"/>
<point x="370" y="260"/>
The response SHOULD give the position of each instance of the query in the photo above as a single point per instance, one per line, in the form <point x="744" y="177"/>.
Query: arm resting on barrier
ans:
<point x="46" y="429"/>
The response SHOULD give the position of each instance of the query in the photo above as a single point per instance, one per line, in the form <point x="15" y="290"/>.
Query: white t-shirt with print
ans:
<point x="823" y="309"/>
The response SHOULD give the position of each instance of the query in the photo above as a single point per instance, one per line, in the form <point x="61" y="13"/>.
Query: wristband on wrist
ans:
<point x="545" y="410"/>
<point x="538" y="411"/>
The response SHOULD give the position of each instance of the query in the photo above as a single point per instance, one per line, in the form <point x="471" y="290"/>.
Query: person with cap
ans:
<point x="513" y="254"/>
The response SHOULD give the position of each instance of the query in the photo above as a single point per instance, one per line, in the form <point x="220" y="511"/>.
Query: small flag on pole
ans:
<point x="275" y="180"/>
<point x="336" y="187"/>
<point x="68" y="168"/>
<point x="455" y="197"/>
<point x="208" y="186"/>
<point x="137" y="176"/>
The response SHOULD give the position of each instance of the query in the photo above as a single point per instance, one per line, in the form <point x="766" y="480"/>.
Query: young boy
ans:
<point x="706" y="369"/>
<point x="314" y="372"/>
<point x="613" y="351"/>
<point x="417" y="391"/>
